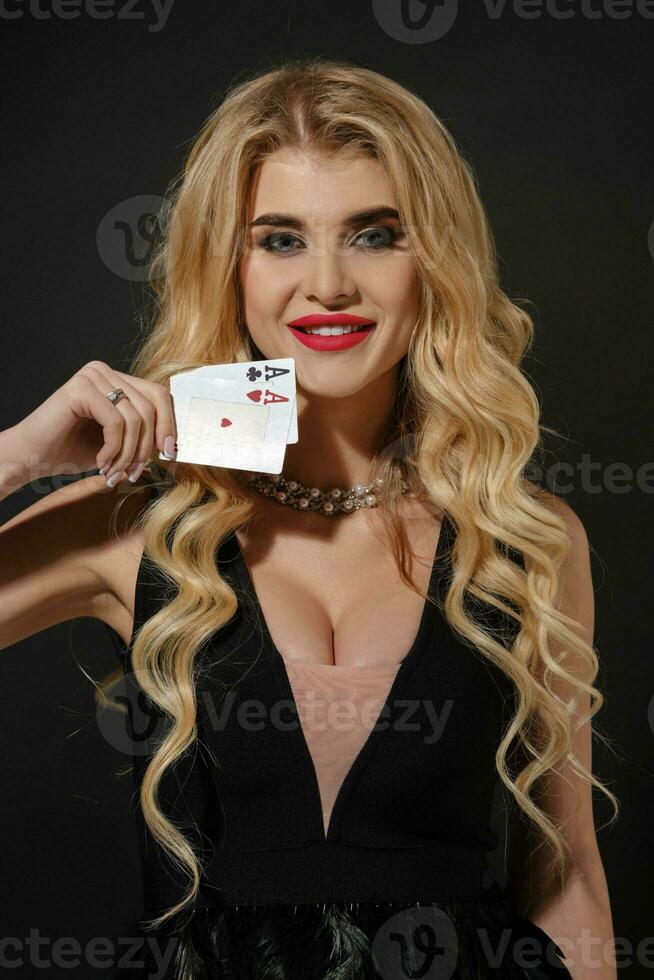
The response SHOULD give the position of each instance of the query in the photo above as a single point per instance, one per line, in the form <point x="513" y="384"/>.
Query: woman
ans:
<point x="441" y="581"/>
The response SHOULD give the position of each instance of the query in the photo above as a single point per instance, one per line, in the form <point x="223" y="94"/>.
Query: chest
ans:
<point x="335" y="595"/>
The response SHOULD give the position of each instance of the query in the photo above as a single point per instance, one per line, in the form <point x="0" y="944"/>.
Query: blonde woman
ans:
<point x="400" y="566"/>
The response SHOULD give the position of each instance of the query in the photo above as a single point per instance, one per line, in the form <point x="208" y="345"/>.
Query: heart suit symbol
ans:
<point x="224" y="422"/>
<point x="255" y="394"/>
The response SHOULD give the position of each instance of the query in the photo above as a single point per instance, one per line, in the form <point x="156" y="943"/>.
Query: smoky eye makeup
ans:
<point x="374" y="239"/>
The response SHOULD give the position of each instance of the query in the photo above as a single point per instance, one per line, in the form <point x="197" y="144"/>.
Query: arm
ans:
<point x="578" y="918"/>
<point x="60" y="559"/>
<point x="13" y="468"/>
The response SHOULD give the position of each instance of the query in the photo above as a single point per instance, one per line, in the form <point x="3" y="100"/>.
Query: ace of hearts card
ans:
<point x="240" y="416"/>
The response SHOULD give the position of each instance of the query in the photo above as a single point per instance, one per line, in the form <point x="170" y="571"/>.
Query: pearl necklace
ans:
<point x="329" y="502"/>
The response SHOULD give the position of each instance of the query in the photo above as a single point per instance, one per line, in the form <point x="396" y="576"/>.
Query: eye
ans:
<point x="274" y="242"/>
<point x="389" y="236"/>
<point x="269" y="242"/>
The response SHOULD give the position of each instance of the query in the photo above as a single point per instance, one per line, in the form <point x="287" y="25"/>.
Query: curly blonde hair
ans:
<point x="464" y="427"/>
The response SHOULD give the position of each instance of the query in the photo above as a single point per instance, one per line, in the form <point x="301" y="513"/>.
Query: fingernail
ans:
<point x="113" y="480"/>
<point x="134" y="472"/>
<point x="169" y="447"/>
<point x="104" y="469"/>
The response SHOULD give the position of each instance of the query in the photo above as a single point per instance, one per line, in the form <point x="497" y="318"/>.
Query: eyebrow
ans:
<point x="356" y="219"/>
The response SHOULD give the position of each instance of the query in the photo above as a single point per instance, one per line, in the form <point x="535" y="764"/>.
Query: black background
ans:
<point x="556" y="117"/>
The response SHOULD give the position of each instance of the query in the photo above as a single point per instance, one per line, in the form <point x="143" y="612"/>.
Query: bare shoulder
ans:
<point x="576" y="595"/>
<point x="574" y="525"/>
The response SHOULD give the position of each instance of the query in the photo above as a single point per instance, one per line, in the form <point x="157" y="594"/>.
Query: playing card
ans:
<point x="227" y="423"/>
<point x="278" y="374"/>
<point x="247" y="394"/>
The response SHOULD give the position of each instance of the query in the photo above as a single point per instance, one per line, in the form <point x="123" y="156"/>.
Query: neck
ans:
<point x="340" y="435"/>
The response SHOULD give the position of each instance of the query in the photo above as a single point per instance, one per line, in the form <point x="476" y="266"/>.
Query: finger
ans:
<point x="92" y="404"/>
<point x="124" y="450"/>
<point x="145" y="445"/>
<point x="159" y="395"/>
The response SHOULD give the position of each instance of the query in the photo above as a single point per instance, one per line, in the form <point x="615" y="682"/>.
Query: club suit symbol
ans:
<point x="253" y="374"/>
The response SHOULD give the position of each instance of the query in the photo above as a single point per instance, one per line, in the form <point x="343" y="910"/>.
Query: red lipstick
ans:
<point x="341" y="342"/>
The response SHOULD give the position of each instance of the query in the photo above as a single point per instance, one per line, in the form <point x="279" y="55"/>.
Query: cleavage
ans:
<point x="338" y="599"/>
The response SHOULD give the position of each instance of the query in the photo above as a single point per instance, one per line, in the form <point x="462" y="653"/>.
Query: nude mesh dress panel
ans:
<point x="338" y="706"/>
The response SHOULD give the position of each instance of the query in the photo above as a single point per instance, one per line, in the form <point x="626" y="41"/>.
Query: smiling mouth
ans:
<point x="335" y="330"/>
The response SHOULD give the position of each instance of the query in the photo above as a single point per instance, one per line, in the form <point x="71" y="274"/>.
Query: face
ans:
<point x="309" y="255"/>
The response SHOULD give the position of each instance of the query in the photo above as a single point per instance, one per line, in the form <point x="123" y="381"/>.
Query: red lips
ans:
<point x="339" y="343"/>
<point x="331" y="319"/>
<point x="342" y="342"/>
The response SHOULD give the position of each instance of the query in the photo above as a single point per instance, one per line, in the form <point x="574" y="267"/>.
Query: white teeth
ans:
<point x="330" y="331"/>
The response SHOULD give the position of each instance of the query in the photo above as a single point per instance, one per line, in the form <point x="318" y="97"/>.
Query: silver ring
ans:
<point x="115" y="395"/>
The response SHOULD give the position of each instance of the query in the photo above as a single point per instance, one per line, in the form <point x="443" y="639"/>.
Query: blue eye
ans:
<point x="389" y="236"/>
<point x="268" y="243"/>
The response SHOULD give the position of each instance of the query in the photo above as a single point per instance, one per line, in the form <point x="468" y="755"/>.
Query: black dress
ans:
<point x="394" y="888"/>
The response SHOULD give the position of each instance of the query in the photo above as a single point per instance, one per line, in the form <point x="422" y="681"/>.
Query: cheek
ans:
<point x="396" y="289"/>
<point x="262" y="288"/>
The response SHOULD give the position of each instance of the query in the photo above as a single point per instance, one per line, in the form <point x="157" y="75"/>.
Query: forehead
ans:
<point x="319" y="186"/>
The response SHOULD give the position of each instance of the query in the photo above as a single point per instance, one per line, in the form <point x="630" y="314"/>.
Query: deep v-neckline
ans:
<point x="296" y="734"/>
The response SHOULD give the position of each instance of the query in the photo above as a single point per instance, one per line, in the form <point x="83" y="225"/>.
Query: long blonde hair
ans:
<point x="465" y="422"/>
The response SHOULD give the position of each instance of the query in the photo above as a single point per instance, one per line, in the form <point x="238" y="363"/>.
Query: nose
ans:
<point x="327" y="278"/>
